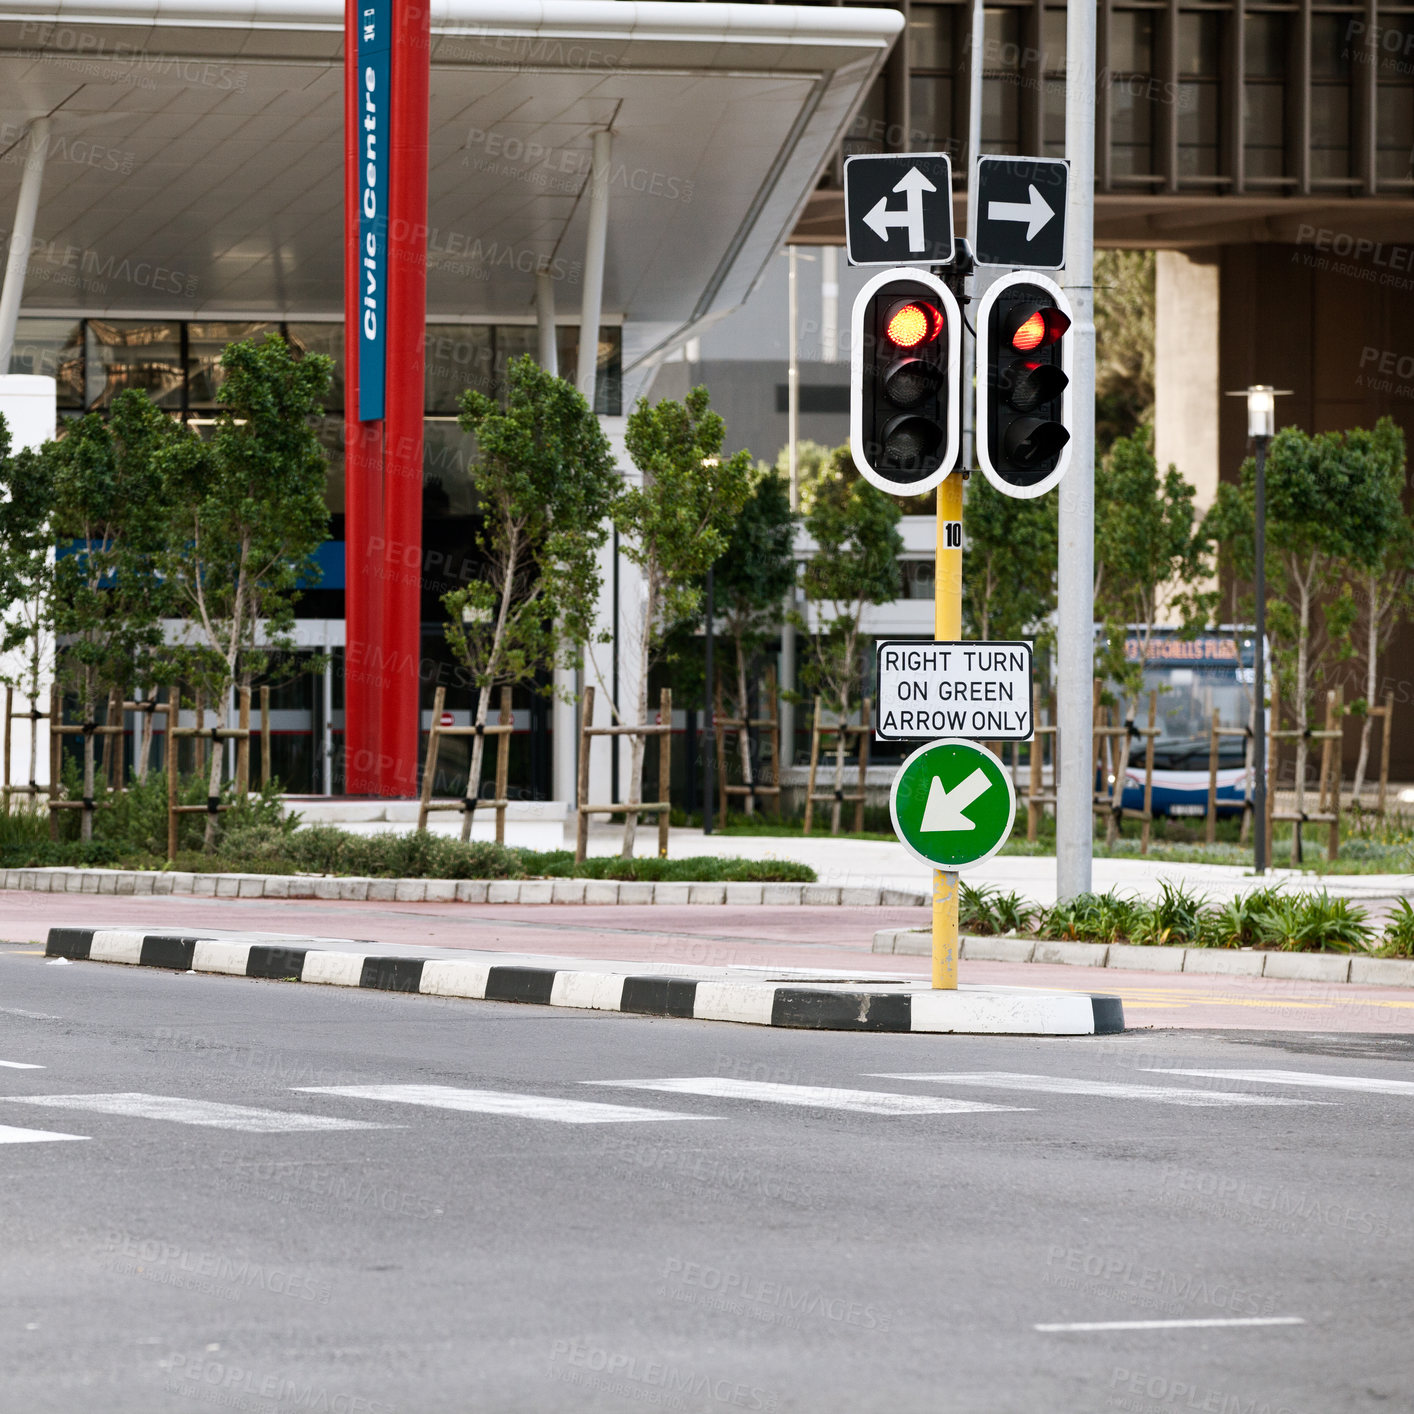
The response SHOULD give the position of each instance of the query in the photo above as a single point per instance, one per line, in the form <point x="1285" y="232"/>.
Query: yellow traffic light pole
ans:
<point x="947" y="627"/>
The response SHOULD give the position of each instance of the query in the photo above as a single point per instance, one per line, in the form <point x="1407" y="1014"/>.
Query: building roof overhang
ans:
<point x="194" y="166"/>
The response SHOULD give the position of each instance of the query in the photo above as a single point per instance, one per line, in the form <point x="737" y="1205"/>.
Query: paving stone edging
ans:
<point x="1230" y="962"/>
<point x="973" y="1011"/>
<point x="360" y="890"/>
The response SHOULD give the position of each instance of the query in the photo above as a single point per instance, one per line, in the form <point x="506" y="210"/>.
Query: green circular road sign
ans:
<point x="952" y="804"/>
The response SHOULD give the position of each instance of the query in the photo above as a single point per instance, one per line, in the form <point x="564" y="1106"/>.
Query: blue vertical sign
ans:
<point x="375" y="27"/>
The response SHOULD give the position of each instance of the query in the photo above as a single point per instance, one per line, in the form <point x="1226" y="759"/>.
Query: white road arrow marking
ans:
<point x="1033" y="211"/>
<point x="880" y="219"/>
<point x="944" y="808"/>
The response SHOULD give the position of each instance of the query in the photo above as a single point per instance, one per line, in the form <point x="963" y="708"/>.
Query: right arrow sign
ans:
<point x="1021" y="212"/>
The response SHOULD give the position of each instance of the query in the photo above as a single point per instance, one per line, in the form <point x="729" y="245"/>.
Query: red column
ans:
<point x="363" y="478"/>
<point x="400" y="720"/>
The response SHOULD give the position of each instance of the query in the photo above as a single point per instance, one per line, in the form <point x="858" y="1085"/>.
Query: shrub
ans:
<point x="1236" y="923"/>
<point x="985" y="910"/>
<point x="1094" y="918"/>
<point x="1175" y="919"/>
<point x="1398" y="939"/>
<point x="1314" y="923"/>
<point x="559" y="864"/>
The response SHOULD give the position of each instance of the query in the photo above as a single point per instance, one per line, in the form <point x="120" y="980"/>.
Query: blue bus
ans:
<point x="1193" y="676"/>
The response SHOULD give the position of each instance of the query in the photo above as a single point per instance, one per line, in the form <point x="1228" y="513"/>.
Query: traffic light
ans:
<point x="1024" y="398"/>
<point x="904" y="394"/>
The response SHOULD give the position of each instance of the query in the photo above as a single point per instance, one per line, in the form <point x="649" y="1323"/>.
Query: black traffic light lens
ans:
<point x="1030" y="441"/>
<point x="913" y="323"/>
<point x="909" y="442"/>
<point x="1026" y="385"/>
<point x="909" y="381"/>
<point x="1029" y="327"/>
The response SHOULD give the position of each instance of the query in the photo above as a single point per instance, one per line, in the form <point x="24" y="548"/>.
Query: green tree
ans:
<point x="107" y="599"/>
<point x="1009" y="566"/>
<point x="1124" y="343"/>
<point x="247" y="513"/>
<point x="26" y="577"/>
<point x="674" y="526"/>
<point x="545" y="480"/>
<point x="1332" y="508"/>
<point x="1381" y="592"/>
<point x="1148" y="554"/>
<point x="855" y="563"/>
<point x="751" y="582"/>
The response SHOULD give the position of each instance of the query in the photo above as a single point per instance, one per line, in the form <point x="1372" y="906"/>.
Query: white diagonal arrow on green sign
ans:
<point x="944" y="808"/>
<point x="952" y="804"/>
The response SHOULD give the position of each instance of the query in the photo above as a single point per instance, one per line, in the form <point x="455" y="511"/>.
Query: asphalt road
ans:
<point x="753" y="1235"/>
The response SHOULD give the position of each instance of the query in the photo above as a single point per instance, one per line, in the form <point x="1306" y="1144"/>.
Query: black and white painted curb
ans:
<point x="971" y="1010"/>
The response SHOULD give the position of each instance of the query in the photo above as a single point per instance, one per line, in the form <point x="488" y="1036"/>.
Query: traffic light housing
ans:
<point x="905" y="382"/>
<point x="1025" y="406"/>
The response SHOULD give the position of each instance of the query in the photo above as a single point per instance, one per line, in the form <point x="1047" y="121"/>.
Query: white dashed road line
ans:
<point x="11" y="1135"/>
<point x="184" y="1111"/>
<point x="1203" y="1324"/>
<point x="815" y="1097"/>
<point x="1373" y="1085"/>
<point x="496" y="1102"/>
<point x="19" y="1065"/>
<point x="1113" y="1090"/>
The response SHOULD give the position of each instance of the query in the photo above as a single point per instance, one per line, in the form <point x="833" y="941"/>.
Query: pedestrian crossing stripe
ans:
<point x="815" y="1097"/>
<point x="1373" y="1085"/>
<point x="1109" y="1089"/>
<point x="10" y="1135"/>
<point x="200" y="1112"/>
<point x="499" y="1102"/>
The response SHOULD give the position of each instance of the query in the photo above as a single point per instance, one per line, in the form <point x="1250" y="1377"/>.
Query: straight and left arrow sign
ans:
<point x="898" y="208"/>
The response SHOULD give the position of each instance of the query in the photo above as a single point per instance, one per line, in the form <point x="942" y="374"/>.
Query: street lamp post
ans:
<point x="1261" y="425"/>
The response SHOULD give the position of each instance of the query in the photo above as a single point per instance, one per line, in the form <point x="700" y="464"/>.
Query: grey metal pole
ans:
<point x="1075" y="637"/>
<point x="1259" y="672"/>
<point x="17" y="261"/>
<point x="596" y="242"/>
<point x="788" y="646"/>
<point x="709" y="734"/>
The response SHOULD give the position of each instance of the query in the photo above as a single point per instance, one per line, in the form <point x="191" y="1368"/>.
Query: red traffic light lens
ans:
<point x="1036" y="329"/>
<point x="914" y="323"/>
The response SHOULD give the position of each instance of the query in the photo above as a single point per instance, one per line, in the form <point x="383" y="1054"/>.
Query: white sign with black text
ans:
<point x="980" y="691"/>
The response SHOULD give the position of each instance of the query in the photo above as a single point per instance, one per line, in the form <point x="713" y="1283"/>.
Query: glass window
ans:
<point x="608" y="381"/>
<point x="930" y="36"/>
<point x="1395" y="133"/>
<point x="1199" y="129"/>
<point x="458" y="357"/>
<point x="51" y="348"/>
<point x="1131" y="93"/>
<point x="1264" y="115"/>
<point x="125" y="354"/>
<point x="1266" y="46"/>
<point x="1264" y="96"/>
<point x="1053" y="92"/>
<point x="1131" y="42"/>
<point x="513" y="340"/>
<point x="1330" y="97"/>
<point x="1001" y="65"/>
<point x="1200" y="44"/>
<point x="205" y="345"/>
<point x="1330" y="46"/>
<point x="867" y="131"/>
<point x="930" y="111"/>
<point x="446" y="479"/>
<point x="325" y="339"/>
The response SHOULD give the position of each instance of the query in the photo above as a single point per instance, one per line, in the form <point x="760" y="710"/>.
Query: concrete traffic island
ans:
<point x="801" y="998"/>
